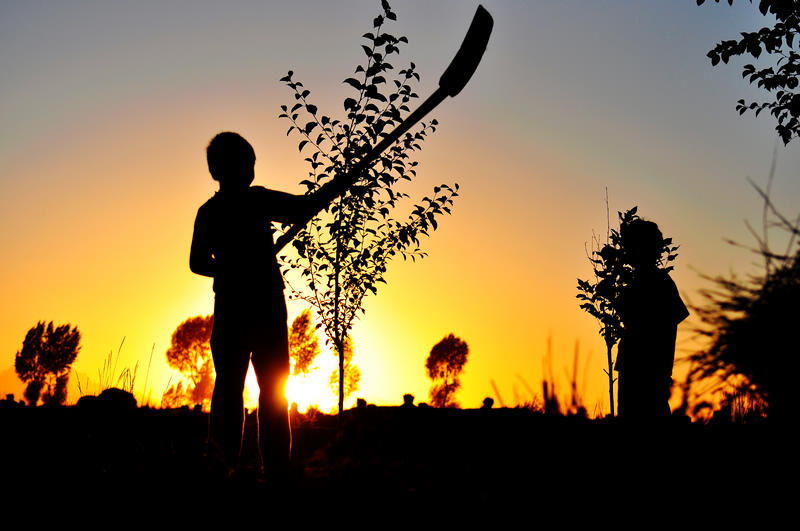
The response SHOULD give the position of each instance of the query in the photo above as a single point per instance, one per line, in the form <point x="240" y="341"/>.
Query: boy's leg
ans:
<point x="231" y="355"/>
<point x="271" y="365"/>
<point x="666" y="392"/>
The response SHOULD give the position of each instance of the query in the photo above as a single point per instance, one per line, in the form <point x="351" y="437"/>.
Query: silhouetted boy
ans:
<point x="650" y="309"/>
<point x="233" y="243"/>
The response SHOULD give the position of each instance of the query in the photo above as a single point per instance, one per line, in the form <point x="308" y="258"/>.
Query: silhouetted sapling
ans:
<point x="612" y="272"/>
<point x="342" y="254"/>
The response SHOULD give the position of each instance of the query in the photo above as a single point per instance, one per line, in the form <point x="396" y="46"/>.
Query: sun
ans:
<point x="312" y="389"/>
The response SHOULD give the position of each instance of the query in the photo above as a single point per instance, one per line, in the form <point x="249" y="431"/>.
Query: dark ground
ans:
<point x="405" y="458"/>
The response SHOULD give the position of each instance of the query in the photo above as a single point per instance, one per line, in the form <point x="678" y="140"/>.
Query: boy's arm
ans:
<point x="201" y="258"/>
<point x="678" y="309"/>
<point x="289" y="208"/>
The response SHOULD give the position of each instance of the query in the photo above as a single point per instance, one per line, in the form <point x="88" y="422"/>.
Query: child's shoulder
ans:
<point x="657" y="282"/>
<point x="657" y="274"/>
<point x="265" y="195"/>
<point x="666" y="278"/>
<point x="209" y="204"/>
<point x="226" y="197"/>
<point x="662" y="280"/>
<point x="261" y="191"/>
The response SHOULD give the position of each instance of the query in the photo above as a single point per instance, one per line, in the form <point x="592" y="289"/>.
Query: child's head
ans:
<point x="642" y="242"/>
<point x="231" y="160"/>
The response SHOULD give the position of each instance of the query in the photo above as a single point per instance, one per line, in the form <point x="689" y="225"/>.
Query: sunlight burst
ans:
<point x="312" y="389"/>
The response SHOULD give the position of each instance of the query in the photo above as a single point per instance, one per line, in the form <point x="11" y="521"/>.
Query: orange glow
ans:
<point x="250" y="389"/>
<point x="103" y="170"/>
<point x="307" y="390"/>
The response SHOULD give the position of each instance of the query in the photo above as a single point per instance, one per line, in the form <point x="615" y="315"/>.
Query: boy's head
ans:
<point x="231" y="160"/>
<point x="642" y="242"/>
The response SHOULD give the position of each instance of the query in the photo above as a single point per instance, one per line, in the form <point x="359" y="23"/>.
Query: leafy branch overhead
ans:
<point x="781" y="77"/>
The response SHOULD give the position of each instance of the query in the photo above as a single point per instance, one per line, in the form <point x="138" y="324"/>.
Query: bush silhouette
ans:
<point x="303" y="343"/>
<point x="45" y="360"/>
<point x="190" y="353"/>
<point x="444" y="364"/>
<point x="750" y="322"/>
<point x="752" y="327"/>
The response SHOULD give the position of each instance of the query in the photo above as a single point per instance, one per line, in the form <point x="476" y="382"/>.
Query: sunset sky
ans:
<point x="106" y="108"/>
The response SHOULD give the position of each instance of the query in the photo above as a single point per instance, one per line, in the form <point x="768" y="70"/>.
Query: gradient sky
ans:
<point x="106" y="108"/>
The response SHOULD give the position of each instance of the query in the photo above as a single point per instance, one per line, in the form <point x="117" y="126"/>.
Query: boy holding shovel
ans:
<point x="233" y="244"/>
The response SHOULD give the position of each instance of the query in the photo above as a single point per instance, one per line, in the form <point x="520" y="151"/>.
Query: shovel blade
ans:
<point x="469" y="55"/>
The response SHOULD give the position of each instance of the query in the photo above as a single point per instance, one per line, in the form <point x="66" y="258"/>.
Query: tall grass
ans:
<point x="108" y="377"/>
<point x="550" y="400"/>
<point x="145" y="398"/>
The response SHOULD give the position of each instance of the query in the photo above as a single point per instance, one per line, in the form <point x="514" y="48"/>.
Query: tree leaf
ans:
<point x="353" y="82"/>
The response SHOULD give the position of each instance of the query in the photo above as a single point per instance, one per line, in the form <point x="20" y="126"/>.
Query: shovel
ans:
<point x="452" y="81"/>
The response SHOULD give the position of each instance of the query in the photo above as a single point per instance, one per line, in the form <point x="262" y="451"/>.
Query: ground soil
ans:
<point x="404" y="457"/>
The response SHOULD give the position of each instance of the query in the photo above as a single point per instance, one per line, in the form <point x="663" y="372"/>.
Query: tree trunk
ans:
<point x="610" y="373"/>
<point x="340" y="348"/>
<point x="338" y="339"/>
